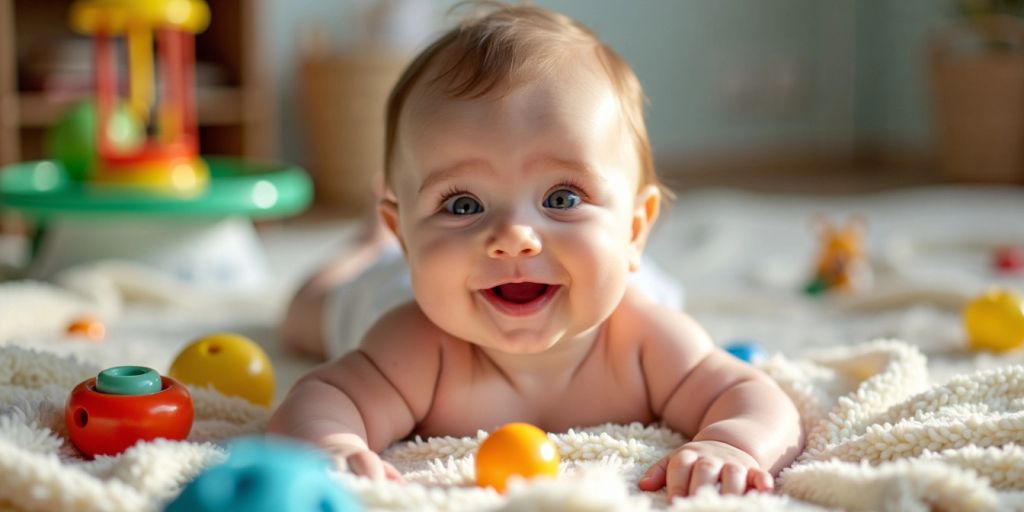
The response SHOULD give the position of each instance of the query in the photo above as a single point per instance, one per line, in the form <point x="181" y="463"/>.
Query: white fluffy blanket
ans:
<point x="889" y="429"/>
<point x="880" y="439"/>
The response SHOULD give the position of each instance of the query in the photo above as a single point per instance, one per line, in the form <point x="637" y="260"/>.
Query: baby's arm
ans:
<point x="743" y="427"/>
<point x="370" y="397"/>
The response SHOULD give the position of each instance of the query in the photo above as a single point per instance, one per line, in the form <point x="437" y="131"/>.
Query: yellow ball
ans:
<point x="232" y="364"/>
<point x="995" y="320"/>
<point x="515" y="449"/>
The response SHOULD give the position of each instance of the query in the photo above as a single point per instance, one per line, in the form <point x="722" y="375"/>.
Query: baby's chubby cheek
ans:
<point x="440" y="283"/>
<point x="598" y="267"/>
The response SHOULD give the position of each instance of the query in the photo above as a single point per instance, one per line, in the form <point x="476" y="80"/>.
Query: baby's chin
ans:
<point x="508" y="340"/>
<point x="519" y="336"/>
<point x="532" y="342"/>
<point x="519" y="343"/>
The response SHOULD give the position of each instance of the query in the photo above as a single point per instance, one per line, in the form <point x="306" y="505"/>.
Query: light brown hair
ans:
<point x="498" y="47"/>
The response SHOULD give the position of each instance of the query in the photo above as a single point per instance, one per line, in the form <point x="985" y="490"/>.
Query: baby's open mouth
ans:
<point x="520" y="299"/>
<point x="520" y="293"/>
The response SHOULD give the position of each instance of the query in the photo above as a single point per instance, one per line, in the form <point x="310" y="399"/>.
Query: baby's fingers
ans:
<point x="366" y="463"/>
<point x="734" y="479"/>
<point x="705" y="472"/>
<point x="391" y="473"/>
<point x="760" y="480"/>
<point x="680" y="467"/>
<point x="654" y="478"/>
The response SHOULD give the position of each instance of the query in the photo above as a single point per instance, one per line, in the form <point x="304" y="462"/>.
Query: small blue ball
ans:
<point x="265" y="475"/>
<point x="747" y="351"/>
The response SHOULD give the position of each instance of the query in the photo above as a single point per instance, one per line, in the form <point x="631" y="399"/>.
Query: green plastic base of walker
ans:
<point x="43" y="189"/>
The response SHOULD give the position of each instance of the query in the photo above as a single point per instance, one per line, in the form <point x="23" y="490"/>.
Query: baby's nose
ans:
<point x="514" y="241"/>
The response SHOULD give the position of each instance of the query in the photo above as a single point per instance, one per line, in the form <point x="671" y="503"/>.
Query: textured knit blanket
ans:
<point x="879" y="439"/>
<point x="888" y="430"/>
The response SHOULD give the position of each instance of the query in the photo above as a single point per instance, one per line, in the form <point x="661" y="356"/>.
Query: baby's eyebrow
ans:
<point x="548" y="163"/>
<point x="541" y="164"/>
<point x="454" y="171"/>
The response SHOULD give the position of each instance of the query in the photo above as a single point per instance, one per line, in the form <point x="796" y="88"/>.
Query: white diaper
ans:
<point x="353" y="307"/>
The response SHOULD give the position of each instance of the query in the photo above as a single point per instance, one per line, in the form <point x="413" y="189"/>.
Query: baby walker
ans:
<point x="141" y="192"/>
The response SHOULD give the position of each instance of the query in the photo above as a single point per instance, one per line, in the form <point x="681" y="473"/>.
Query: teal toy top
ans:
<point x="45" y="188"/>
<point x="128" y="380"/>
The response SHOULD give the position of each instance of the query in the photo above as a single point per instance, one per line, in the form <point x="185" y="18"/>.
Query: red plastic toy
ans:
<point x="1008" y="259"/>
<point x="100" y="422"/>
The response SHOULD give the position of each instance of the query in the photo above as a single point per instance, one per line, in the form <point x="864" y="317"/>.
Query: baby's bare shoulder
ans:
<point x="661" y="330"/>
<point x="403" y="331"/>
<point x="402" y="352"/>
<point x="671" y="344"/>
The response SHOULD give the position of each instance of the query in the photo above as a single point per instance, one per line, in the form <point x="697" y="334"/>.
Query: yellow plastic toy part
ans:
<point x="995" y="321"/>
<point x="140" y="55"/>
<point x="182" y="177"/>
<point x="114" y="17"/>
<point x="232" y="364"/>
<point x="515" y="449"/>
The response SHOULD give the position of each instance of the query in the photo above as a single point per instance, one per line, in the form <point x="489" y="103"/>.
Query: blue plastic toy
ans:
<point x="747" y="351"/>
<point x="266" y="475"/>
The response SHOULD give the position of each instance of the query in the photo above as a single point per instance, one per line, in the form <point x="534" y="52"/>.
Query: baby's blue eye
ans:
<point x="562" y="199"/>
<point x="463" y="205"/>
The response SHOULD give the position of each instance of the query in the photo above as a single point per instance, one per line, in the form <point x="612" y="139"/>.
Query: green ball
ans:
<point x="72" y="139"/>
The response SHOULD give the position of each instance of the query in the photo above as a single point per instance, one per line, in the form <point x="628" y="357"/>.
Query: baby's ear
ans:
<point x="645" y="211"/>
<point x="387" y="208"/>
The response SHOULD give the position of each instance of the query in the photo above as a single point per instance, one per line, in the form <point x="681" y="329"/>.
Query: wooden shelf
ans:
<point x="216" y="106"/>
<point x="236" y="115"/>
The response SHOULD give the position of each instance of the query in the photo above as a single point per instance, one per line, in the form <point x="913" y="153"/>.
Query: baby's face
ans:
<point x="517" y="214"/>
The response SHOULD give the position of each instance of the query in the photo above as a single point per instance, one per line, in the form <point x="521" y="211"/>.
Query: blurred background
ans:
<point x="789" y="95"/>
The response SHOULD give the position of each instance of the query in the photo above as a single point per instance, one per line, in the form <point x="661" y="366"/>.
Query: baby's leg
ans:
<point x="303" y="327"/>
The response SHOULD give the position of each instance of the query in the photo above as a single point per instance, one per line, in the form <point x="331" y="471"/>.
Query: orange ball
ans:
<point x="87" y="327"/>
<point x="515" y="449"/>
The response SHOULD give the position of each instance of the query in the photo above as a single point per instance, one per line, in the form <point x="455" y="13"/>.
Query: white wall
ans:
<point x="722" y="75"/>
<point x="728" y="74"/>
<point x="893" y="95"/>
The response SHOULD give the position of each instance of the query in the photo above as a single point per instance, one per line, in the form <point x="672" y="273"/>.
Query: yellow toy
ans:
<point x="842" y="264"/>
<point x="233" y="365"/>
<point x="995" y="321"/>
<point x="168" y="160"/>
<point x="515" y="449"/>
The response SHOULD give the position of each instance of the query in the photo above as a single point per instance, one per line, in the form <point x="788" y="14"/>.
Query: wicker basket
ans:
<point x="343" y="97"/>
<point x="978" y="96"/>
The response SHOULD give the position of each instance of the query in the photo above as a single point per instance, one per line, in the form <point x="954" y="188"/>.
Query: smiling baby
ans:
<point x="520" y="185"/>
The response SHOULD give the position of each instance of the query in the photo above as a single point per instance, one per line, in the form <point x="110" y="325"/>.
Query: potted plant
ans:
<point x="977" y="77"/>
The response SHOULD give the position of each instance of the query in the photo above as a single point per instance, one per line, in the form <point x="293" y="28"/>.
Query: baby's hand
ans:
<point x="701" y="463"/>
<point x="367" y="463"/>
